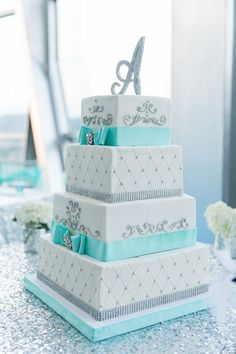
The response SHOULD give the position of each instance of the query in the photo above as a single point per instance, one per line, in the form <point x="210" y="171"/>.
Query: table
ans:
<point x="29" y="326"/>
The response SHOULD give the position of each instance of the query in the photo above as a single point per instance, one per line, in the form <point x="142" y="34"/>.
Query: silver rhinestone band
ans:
<point x="127" y="196"/>
<point x="125" y="309"/>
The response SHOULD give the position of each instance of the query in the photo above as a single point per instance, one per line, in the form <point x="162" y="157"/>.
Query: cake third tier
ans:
<point x="115" y="174"/>
<point x="123" y="230"/>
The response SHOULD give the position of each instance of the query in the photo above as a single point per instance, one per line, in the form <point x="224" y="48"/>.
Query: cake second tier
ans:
<point x="123" y="230"/>
<point x="115" y="174"/>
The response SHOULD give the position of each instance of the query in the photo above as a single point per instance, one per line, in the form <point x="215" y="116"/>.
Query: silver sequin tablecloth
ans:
<point x="29" y="326"/>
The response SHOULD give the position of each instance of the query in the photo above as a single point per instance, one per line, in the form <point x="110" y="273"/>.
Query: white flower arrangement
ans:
<point x="221" y="220"/>
<point x="35" y="214"/>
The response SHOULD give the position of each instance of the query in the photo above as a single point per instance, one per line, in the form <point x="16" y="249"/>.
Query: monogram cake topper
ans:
<point x="133" y="71"/>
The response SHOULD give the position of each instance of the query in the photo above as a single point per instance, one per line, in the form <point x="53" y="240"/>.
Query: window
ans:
<point x="13" y="87"/>
<point x="94" y="35"/>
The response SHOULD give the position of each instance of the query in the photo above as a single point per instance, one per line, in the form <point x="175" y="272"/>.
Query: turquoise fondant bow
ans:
<point x="61" y="235"/>
<point x="99" y="136"/>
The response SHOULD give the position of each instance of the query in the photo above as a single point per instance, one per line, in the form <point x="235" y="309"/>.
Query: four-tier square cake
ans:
<point x="122" y="253"/>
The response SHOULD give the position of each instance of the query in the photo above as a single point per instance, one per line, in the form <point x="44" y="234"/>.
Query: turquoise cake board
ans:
<point x="95" y="330"/>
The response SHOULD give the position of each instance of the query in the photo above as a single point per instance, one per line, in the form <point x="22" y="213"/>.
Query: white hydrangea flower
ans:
<point x="34" y="213"/>
<point x="221" y="219"/>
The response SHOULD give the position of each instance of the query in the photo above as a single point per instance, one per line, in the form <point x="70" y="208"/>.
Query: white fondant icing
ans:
<point x="134" y="172"/>
<point x="121" y="111"/>
<point x="113" y="221"/>
<point x="106" y="285"/>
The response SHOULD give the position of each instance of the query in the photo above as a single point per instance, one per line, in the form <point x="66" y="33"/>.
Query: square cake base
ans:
<point x="95" y="330"/>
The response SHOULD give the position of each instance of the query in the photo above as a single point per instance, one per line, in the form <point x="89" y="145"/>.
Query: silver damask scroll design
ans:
<point x="150" y="229"/>
<point x="98" y="120"/>
<point x="95" y="117"/>
<point x="86" y="231"/>
<point x="72" y="220"/>
<point x="96" y="109"/>
<point x="148" y="110"/>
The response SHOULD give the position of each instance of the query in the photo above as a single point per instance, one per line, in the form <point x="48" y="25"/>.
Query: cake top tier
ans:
<point x="129" y="120"/>
<point x="125" y="111"/>
<point x="120" y="120"/>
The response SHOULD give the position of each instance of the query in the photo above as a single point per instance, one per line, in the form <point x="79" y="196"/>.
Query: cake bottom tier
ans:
<point x="96" y="331"/>
<point x="117" y="288"/>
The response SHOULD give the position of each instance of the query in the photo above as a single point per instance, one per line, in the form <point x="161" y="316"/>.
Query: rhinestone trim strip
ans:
<point x="127" y="196"/>
<point x="126" y="309"/>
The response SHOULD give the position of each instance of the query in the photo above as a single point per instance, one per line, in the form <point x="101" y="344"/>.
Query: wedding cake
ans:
<point x="122" y="253"/>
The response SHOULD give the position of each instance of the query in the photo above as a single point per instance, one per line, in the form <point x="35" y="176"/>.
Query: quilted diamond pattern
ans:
<point x="115" y="170"/>
<point x="109" y="285"/>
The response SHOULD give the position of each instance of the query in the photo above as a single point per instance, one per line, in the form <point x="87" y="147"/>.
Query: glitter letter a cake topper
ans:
<point x="133" y="71"/>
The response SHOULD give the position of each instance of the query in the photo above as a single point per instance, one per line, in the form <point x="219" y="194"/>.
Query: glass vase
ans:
<point x="219" y="244"/>
<point x="31" y="237"/>
<point x="233" y="248"/>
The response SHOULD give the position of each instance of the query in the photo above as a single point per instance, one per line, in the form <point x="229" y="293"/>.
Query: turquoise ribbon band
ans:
<point x="59" y="232"/>
<point x="122" y="249"/>
<point x="115" y="250"/>
<point x="126" y="136"/>
<point x="99" y="136"/>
